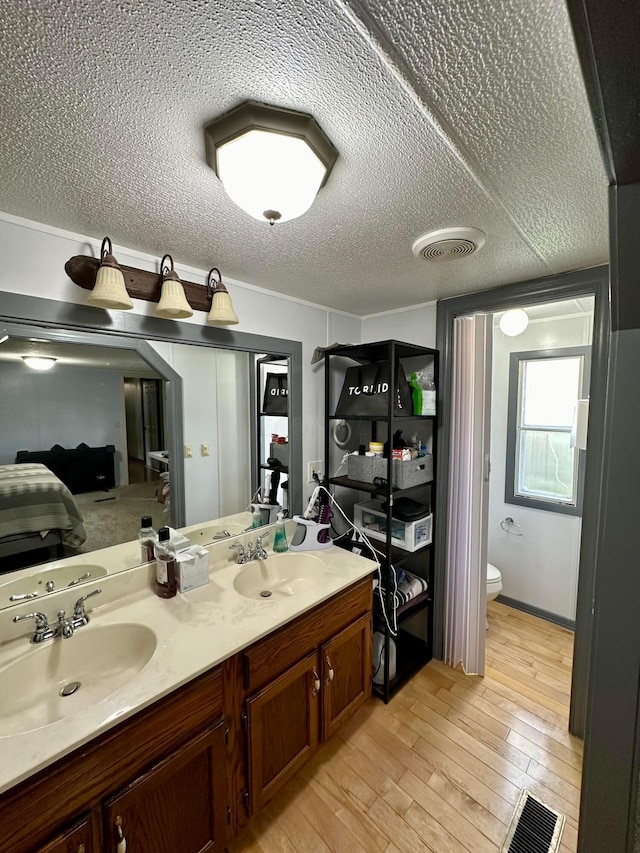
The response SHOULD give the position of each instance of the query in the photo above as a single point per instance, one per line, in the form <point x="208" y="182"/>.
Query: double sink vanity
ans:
<point x="162" y="726"/>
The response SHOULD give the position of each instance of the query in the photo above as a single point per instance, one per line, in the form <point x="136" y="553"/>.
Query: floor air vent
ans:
<point x="535" y="828"/>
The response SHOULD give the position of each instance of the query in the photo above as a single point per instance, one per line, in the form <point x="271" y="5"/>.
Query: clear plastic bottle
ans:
<point x="147" y="538"/>
<point x="166" y="584"/>
<point x="256" y="517"/>
<point x="280" y="539"/>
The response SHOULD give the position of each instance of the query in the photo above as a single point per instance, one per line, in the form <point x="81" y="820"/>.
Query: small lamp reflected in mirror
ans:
<point x="109" y="290"/>
<point x="221" y="313"/>
<point x="173" y="303"/>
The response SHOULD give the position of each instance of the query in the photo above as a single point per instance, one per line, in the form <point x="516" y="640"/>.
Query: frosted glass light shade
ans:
<point x="38" y="362"/>
<point x="222" y="313"/>
<point x="110" y="290"/>
<point x="265" y="171"/>
<point x="173" y="303"/>
<point x="514" y="322"/>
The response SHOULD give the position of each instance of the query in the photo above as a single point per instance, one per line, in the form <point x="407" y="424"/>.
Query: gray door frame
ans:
<point x="591" y="282"/>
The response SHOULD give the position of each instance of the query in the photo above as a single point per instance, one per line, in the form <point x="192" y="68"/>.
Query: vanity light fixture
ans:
<point x="36" y="362"/>
<point x="173" y="303"/>
<point x="271" y="161"/>
<point x="221" y="313"/>
<point x="109" y="290"/>
<point x="514" y="322"/>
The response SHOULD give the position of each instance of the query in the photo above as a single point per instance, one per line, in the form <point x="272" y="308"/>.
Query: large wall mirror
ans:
<point x="126" y="396"/>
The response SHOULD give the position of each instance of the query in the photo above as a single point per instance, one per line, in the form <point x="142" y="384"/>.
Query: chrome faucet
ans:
<point x="64" y="627"/>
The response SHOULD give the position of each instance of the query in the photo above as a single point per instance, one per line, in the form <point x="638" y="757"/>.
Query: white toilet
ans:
<point x="494" y="584"/>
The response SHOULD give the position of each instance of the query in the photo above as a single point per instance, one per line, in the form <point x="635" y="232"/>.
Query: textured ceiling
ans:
<point x="445" y="113"/>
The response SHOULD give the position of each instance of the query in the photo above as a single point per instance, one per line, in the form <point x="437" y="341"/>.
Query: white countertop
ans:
<point x="195" y="631"/>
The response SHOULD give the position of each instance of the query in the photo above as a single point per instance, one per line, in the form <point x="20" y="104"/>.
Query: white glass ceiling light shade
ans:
<point x="221" y="313"/>
<point x="36" y="362"/>
<point x="263" y="171"/>
<point x="109" y="291"/>
<point x="514" y="322"/>
<point x="173" y="303"/>
<point x="271" y="161"/>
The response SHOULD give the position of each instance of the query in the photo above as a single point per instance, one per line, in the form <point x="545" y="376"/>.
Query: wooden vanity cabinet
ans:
<point x="78" y="839"/>
<point x="307" y="701"/>
<point x="180" y="804"/>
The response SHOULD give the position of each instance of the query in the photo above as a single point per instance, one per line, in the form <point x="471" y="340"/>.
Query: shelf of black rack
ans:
<point x="412" y="654"/>
<point x="413" y="606"/>
<point x="271" y="415"/>
<point x="380" y="417"/>
<point x="398" y="555"/>
<point x="361" y="486"/>
<point x="284" y="469"/>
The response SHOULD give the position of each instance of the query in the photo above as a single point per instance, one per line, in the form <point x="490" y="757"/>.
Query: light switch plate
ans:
<point x="188" y="451"/>
<point x="204" y="449"/>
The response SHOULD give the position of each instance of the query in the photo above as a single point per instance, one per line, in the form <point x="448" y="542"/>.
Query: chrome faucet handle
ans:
<point x="242" y="557"/>
<point x="43" y="631"/>
<point x="23" y="596"/>
<point x="78" y="607"/>
<point x="42" y="623"/>
<point x="265" y="535"/>
<point x="65" y="626"/>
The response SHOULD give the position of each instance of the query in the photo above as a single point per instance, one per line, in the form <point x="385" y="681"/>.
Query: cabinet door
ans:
<point x="282" y="729"/>
<point x="78" y="839"/>
<point x="180" y="804"/>
<point x="346" y="674"/>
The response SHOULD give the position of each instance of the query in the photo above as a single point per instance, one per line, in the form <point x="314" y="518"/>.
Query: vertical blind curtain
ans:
<point x="467" y="507"/>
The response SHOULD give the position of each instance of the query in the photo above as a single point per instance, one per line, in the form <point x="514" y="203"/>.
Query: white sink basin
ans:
<point x="101" y="659"/>
<point x="207" y="535"/>
<point x="280" y="576"/>
<point x="61" y="577"/>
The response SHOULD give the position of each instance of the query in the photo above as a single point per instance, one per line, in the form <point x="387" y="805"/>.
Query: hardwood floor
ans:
<point x="441" y="767"/>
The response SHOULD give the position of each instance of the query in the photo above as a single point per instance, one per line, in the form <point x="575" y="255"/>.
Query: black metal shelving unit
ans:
<point x="412" y="650"/>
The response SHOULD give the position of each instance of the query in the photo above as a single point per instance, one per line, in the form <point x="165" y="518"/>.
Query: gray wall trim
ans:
<point x="547" y="615"/>
<point x="594" y="282"/>
<point x="512" y="416"/>
<point x="67" y="317"/>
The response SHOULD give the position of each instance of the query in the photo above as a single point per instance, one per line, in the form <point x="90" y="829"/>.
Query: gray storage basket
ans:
<point x="366" y="468"/>
<point x="280" y="452"/>
<point x="413" y="472"/>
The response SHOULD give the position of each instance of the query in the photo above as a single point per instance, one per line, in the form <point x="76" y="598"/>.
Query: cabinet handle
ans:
<point x="331" y="675"/>
<point x="316" y="687"/>
<point x="121" y="846"/>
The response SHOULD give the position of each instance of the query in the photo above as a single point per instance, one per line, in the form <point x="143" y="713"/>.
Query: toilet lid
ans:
<point x="493" y="574"/>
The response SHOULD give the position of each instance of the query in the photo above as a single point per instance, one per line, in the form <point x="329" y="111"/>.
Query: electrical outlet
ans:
<point x="188" y="451"/>
<point x="204" y="449"/>
<point x="315" y="467"/>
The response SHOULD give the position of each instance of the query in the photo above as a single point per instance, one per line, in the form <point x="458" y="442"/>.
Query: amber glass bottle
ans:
<point x="166" y="584"/>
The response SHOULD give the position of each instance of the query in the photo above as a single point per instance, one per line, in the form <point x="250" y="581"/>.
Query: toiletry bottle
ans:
<point x="166" y="584"/>
<point x="280" y="538"/>
<point x="256" y="517"/>
<point x="147" y="537"/>
<point x="416" y="394"/>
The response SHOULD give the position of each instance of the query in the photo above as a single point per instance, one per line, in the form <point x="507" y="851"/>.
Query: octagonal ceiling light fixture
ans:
<point x="272" y="161"/>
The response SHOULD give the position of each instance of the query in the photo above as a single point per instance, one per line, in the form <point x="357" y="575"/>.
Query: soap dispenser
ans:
<point x="280" y="539"/>
<point x="256" y="517"/>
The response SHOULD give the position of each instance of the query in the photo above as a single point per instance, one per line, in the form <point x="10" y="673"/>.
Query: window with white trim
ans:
<point x="543" y="470"/>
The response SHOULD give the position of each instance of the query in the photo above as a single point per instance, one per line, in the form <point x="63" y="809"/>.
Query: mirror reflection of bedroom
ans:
<point x="82" y="452"/>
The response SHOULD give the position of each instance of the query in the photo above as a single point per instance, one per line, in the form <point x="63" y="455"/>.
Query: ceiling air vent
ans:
<point x="448" y="244"/>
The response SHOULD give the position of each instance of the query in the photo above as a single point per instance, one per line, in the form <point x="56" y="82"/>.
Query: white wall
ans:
<point x="33" y="259"/>
<point x="540" y="567"/>
<point x="66" y="406"/>
<point x="415" y="325"/>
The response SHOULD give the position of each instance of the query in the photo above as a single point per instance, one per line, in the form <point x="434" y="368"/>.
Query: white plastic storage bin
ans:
<point x="410" y="535"/>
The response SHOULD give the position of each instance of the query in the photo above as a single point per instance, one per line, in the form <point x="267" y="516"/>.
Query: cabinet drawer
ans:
<point x="78" y="839"/>
<point x="275" y="653"/>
